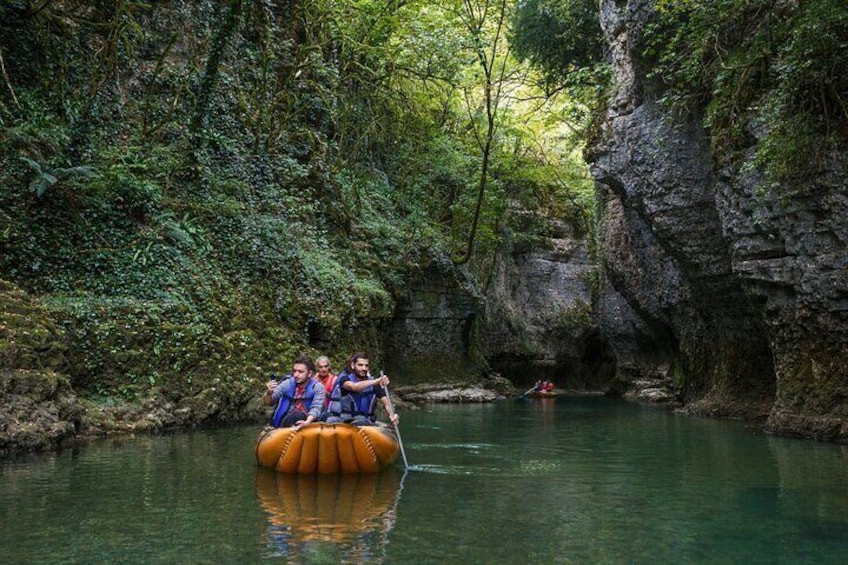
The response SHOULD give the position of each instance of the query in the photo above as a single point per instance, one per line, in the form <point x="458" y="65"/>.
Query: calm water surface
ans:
<point x="576" y="480"/>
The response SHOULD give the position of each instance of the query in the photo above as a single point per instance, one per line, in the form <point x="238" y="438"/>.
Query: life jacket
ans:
<point x="352" y="404"/>
<point x="288" y="396"/>
<point x="328" y="393"/>
<point x="334" y="407"/>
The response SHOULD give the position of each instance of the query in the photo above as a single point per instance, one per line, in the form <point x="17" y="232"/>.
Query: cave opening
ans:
<point x="597" y="363"/>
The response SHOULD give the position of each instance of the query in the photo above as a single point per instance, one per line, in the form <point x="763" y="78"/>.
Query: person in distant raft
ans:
<point x="298" y="398"/>
<point x="354" y="397"/>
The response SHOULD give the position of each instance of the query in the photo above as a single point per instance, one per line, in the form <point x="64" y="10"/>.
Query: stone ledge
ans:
<point x="447" y="393"/>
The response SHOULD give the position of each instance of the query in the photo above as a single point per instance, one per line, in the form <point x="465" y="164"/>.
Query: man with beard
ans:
<point x="298" y="398"/>
<point x="354" y="397"/>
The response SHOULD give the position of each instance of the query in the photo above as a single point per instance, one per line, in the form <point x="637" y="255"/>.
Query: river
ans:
<point x="571" y="480"/>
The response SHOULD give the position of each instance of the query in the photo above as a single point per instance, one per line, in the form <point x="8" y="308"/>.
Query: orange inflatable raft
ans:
<point x="327" y="448"/>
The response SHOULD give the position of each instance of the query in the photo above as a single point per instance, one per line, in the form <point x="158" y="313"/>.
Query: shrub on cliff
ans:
<point x="758" y="66"/>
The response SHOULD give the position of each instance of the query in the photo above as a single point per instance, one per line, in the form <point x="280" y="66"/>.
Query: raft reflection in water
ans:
<point x="342" y="517"/>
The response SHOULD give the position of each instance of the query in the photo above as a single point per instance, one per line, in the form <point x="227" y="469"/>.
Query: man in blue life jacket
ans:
<point x="298" y="398"/>
<point x="355" y="394"/>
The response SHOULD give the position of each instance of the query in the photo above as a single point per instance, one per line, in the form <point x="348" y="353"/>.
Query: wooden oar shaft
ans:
<point x="397" y="430"/>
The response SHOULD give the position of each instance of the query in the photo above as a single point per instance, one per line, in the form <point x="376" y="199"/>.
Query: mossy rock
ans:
<point x="29" y="336"/>
<point x="38" y="410"/>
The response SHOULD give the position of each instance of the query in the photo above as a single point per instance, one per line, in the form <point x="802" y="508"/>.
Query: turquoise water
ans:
<point x="575" y="480"/>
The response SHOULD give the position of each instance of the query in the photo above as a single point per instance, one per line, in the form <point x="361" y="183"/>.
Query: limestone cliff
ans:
<point x="743" y="289"/>
<point x="431" y="335"/>
<point x="532" y="320"/>
<point x="538" y="320"/>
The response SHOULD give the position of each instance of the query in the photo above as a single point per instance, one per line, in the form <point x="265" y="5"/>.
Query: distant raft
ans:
<point x="543" y="394"/>
<point x="321" y="448"/>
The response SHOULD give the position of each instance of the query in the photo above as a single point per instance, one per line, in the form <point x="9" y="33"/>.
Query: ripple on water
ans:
<point x="524" y="469"/>
<point x="539" y="467"/>
<point x="473" y="446"/>
<point x="455" y="469"/>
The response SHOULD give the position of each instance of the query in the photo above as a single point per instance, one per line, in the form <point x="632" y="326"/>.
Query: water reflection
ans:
<point x="333" y="518"/>
<point x="547" y="407"/>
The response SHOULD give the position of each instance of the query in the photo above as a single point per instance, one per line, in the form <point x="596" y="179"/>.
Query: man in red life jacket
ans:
<point x="325" y="376"/>
<point x="298" y="398"/>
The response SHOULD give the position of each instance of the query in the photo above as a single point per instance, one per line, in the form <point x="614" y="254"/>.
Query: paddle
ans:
<point x="528" y="391"/>
<point x="397" y="430"/>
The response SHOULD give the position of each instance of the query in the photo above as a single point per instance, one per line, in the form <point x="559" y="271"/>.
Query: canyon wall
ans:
<point x="744" y="287"/>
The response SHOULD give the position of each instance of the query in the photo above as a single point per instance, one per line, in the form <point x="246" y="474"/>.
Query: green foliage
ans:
<point x="563" y="38"/>
<point x="326" y="302"/>
<point x="388" y="237"/>
<point x="806" y="111"/>
<point x="132" y="349"/>
<point x="542" y="170"/>
<point x="430" y="187"/>
<point x="124" y="187"/>
<point x="43" y="180"/>
<point x="29" y="338"/>
<point x="198" y="190"/>
<point x="32" y="128"/>
<point x="773" y="62"/>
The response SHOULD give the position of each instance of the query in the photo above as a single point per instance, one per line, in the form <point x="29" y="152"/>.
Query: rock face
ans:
<point x="535" y="320"/>
<point x="538" y="322"/>
<point x="38" y="408"/>
<point x="791" y="255"/>
<point x="434" y="325"/>
<point x="740" y="293"/>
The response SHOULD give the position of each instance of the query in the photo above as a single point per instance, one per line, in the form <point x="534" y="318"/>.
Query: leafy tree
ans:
<point x="485" y="25"/>
<point x="562" y="38"/>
